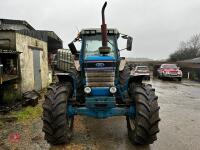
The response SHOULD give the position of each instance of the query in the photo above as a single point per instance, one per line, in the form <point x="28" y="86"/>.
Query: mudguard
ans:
<point x="136" y="79"/>
<point x="68" y="77"/>
<point x="77" y="65"/>
<point x="122" y="64"/>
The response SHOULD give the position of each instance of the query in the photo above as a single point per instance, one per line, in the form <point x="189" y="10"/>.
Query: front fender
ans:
<point x="136" y="79"/>
<point x="67" y="77"/>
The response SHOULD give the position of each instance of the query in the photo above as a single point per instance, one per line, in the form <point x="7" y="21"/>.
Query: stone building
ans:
<point x="24" y="57"/>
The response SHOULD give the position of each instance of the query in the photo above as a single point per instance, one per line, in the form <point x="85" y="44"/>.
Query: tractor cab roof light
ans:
<point x="93" y="32"/>
<point x="89" y="32"/>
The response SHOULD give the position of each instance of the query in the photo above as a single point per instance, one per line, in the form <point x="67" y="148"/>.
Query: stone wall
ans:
<point x="25" y="44"/>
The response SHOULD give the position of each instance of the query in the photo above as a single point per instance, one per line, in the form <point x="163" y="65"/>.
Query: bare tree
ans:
<point x="182" y="45"/>
<point x="187" y="50"/>
<point x="194" y="42"/>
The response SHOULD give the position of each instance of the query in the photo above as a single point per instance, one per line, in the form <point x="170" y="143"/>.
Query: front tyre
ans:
<point x="179" y="78"/>
<point x="159" y="76"/>
<point x="57" y="125"/>
<point x="143" y="127"/>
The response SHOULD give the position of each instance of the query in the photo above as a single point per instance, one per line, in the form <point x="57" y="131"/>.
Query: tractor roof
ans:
<point x="92" y="31"/>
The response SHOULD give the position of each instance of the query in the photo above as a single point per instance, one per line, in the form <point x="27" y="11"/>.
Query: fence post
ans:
<point x="188" y="75"/>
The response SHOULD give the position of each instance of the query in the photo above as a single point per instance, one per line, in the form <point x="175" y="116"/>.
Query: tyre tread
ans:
<point x="147" y="114"/>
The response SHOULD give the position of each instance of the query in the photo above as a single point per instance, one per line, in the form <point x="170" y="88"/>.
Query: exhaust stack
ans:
<point x="104" y="49"/>
<point x="104" y="27"/>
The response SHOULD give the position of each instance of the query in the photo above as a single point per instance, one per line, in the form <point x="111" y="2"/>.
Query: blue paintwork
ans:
<point x="97" y="101"/>
<point x="101" y="114"/>
<point x="103" y="69"/>
<point x="99" y="58"/>
<point x="100" y="91"/>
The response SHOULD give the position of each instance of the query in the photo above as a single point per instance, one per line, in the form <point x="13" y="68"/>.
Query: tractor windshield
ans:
<point x="93" y="42"/>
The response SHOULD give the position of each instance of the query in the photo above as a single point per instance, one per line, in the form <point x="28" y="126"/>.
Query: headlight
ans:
<point x="167" y="72"/>
<point x="87" y="90"/>
<point x="113" y="90"/>
<point x="179" y="72"/>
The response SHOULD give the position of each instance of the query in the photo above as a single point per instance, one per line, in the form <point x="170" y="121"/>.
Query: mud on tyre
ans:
<point x="143" y="128"/>
<point x="57" y="126"/>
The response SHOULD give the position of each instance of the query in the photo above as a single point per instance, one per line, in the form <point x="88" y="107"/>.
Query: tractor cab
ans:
<point x="92" y="43"/>
<point x="99" y="62"/>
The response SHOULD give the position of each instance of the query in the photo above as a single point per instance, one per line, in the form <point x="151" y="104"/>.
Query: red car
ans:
<point x="169" y="71"/>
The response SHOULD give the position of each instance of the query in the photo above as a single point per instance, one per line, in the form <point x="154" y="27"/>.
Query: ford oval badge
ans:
<point x="100" y="65"/>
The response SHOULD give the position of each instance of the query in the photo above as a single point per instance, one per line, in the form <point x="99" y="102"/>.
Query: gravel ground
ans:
<point x="180" y="126"/>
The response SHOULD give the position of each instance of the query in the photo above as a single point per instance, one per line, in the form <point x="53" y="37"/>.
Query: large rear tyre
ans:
<point x="143" y="127"/>
<point x="57" y="125"/>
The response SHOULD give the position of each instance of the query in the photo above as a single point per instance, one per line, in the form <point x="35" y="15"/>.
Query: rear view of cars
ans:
<point x="141" y="71"/>
<point x="169" y="71"/>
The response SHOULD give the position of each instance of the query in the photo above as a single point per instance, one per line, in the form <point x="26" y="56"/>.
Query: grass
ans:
<point x="28" y="113"/>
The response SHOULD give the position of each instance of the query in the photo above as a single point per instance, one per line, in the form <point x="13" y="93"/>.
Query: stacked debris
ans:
<point x="30" y="98"/>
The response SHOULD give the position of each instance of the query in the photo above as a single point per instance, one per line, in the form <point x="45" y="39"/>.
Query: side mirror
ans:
<point x="129" y="43"/>
<point x="72" y="48"/>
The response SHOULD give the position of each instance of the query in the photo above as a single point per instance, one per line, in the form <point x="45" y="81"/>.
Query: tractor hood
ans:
<point x="100" y="63"/>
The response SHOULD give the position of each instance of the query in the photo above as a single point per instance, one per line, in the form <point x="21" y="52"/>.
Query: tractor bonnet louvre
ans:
<point x="100" y="76"/>
<point x="100" y="79"/>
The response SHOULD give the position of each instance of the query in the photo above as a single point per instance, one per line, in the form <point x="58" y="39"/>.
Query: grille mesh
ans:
<point x="100" y="77"/>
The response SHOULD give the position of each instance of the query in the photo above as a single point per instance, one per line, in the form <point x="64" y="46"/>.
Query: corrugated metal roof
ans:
<point x="17" y="22"/>
<point x="23" y="27"/>
<point x="51" y="34"/>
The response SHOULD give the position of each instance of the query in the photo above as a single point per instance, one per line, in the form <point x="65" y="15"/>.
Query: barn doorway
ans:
<point x="37" y="70"/>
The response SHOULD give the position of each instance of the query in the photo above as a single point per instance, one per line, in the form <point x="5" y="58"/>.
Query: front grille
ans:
<point x="173" y="73"/>
<point x="100" y="75"/>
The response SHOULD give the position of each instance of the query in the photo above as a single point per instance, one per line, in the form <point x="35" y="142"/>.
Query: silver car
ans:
<point x="141" y="71"/>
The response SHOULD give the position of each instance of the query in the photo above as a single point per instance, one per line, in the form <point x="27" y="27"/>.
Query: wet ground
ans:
<point x="179" y="127"/>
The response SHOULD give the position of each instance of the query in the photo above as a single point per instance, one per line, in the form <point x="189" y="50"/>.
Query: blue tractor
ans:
<point x="100" y="86"/>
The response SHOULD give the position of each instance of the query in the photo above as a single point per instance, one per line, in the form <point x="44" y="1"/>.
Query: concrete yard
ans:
<point x="179" y="126"/>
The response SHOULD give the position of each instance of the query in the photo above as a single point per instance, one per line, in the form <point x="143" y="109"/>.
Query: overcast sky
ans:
<point x="157" y="26"/>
